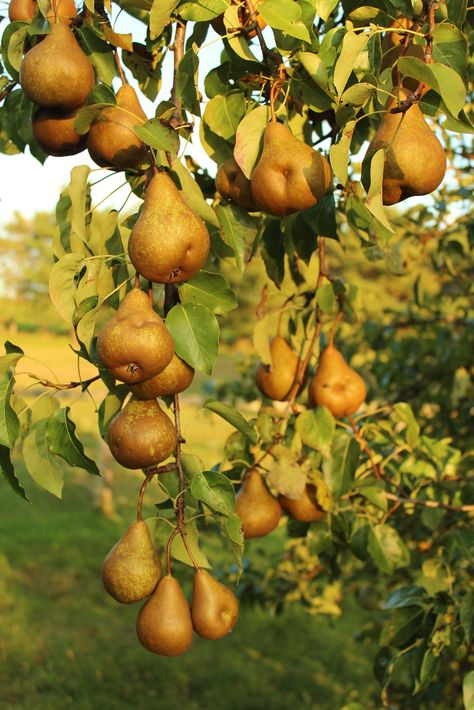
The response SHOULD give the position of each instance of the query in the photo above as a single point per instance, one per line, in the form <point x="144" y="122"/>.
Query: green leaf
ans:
<point x="203" y="10"/>
<point x="160" y="16"/>
<point x="284" y="15"/>
<point x="374" y="201"/>
<point x="450" y="47"/>
<point x="78" y="192"/>
<point x="187" y="81"/>
<point x="8" y="472"/>
<point x="248" y="140"/>
<point x="161" y="531"/>
<point x="340" y="467"/>
<point x="352" y="45"/>
<point x="238" y="231"/>
<point x="387" y="549"/>
<point x="210" y="290"/>
<point x="404" y="413"/>
<point x="324" y="8"/>
<point x="234" y="417"/>
<point x="466" y="616"/>
<point x="44" y="467"/>
<point x="224" y="113"/>
<point x="98" y="52"/>
<point x="110" y="405"/>
<point x="158" y="136"/>
<point x="444" y="80"/>
<point x="374" y="494"/>
<point x="13" y="39"/>
<point x="405" y="596"/>
<point x="428" y="670"/>
<point x="62" y="284"/>
<point x="195" y="332"/>
<point x="87" y="114"/>
<point x="468" y="690"/>
<point x="457" y="11"/>
<point x="215" y="491"/>
<point x="339" y="153"/>
<point x="9" y="422"/>
<point x="62" y="441"/>
<point x="273" y="251"/>
<point x="232" y="527"/>
<point x="316" y="427"/>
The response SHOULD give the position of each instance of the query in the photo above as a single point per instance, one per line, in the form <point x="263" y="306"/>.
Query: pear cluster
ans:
<point x="132" y="572"/>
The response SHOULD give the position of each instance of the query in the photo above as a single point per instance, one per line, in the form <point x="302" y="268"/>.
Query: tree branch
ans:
<point x="84" y="384"/>
<point x="430" y="503"/>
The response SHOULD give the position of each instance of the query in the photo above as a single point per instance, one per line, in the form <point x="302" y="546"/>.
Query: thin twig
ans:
<point x="84" y="384"/>
<point x="430" y="503"/>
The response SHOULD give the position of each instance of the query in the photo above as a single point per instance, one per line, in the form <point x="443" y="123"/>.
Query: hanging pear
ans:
<point x="214" y="608"/>
<point x="175" y="378"/>
<point x="232" y="184"/>
<point x="306" y="508"/>
<point x="135" y="344"/>
<point x="22" y="10"/>
<point x="164" y="623"/>
<point x="335" y="385"/>
<point x="289" y="175"/>
<point x="415" y="161"/>
<point x="132" y="568"/>
<point x="56" y="72"/>
<point x="168" y="242"/>
<point x="54" y="131"/>
<point x="60" y="11"/>
<point x="141" y="434"/>
<point x="112" y="142"/>
<point x="277" y="380"/>
<point x="258" y="510"/>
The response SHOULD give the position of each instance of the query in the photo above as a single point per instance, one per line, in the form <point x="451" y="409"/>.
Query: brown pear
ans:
<point x="335" y="385"/>
<point x="289" y="175"/>
<point x="277" y="380"/>
<point x="258" y="510"/>
<point x="164" y="623"/>
<point x="175" y="378"/>
<point x="54" y="131"/>
<point x="132" y="568"/>
<point x="415" y="161"/>
<point x="56" y="72"/>
<point x="306" y="509"/>
<point x="232" y="184"/>
<point x="112" y="142"/>
<point x="168" y="242"/>
<point x="135" y="344"/>
<point x="141" y="434"/>
<point x="214" y="608"/>
<point x="22" y="10"/>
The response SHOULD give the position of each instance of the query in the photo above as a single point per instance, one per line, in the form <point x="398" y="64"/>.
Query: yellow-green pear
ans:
<point x="132" y="568"/>
<point x="258" y="510"/>
<point x="277" y="380"/>
<point x="175" y="378"/>
<point x="232" y="184"/>
<point x="164" y="623"/>
<point x="135" y="344"/>
<point x="214" y="607"/>
<point x="290" y="175"/>
<point x="112" y="142"/>
<point x="306" y="508"/>
<point x="54" y="131"/>
<point x="141" y="434"/>
<point x="335" y="385"/>
<point x="168" y="242"/>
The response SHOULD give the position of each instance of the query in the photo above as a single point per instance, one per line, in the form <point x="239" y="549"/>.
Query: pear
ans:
<point x="22" y="10"/>
<point x="164" y="623"/>
<point x="415" y="161"/>
<point x="232" y="184"/>
<point x="306" y="509"/>
<point x="214" y="608"/>
<point x="141" y="434"/>
<point x="258" y="510"/>
<point x="132" y="568"/>
<point x="135" y="344"/>
<point x="168" y="242"/>
<point x="175" y="378"/>
<point x="289" y="175"/>
<point x="56" y="72"/>
<point x="335" y="385"/>
<point x="62" y="11"/>
<point x="276" y="381"/>
<point x="112" y="142"/>
<point x="54" y="131"/>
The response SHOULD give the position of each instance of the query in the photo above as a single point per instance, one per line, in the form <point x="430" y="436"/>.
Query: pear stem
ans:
<point x="119" y="67"/>
<point x="145" y="483"/>
<point x="83" y="384"/>
<point x="365" y="447"/>
<point x="267" y="53"/>
<point x="137" y="280"/>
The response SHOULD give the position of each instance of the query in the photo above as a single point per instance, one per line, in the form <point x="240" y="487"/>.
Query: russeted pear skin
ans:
<point x="214" y="607"/>
<point x="135" y="344"/>
<point x="112" y="142"/>
<point x="164" y="623"/>
<point x="141" y="434"/>
<point x="54" y="131"/>
<point x="277" y="381"/>
<point x="415" y="161"/>
<point x="289" y="175"/>
<point x="56" y="72"/>
<point x="175" y="378"/>
<point x="21" y="10"/>
<point x="132" y="568"/>
<point x="305" y="509"/>
<point x="168" y="242"/>
<point x="335" y="385"/>
<point x="258" y="510"/>
<point x="232" y="184"/>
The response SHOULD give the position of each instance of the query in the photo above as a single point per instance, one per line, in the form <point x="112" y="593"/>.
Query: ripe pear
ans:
<point x="135" y="344"/>
<point x="290" y="175"/>
<point x="54" y="131"/>
<point x="21" y="10"/>
<point x="214" y="608"/>
<point x="132" y="568"/>
<point x="415" y="161"/>
<point x="276" y="381"/>
<point x="141" y="434"/>
<point x="306" y="509"/>
<point x="232" y="184"/>
<point x="175" y="378"/>
<point x="112" y="142"/>
<point x="56" y="72"/>
<point x="168" y="242"/>
<point x="335" y="385"/>
<point x="164" y="623"/>
<point x="258" y="510"/>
